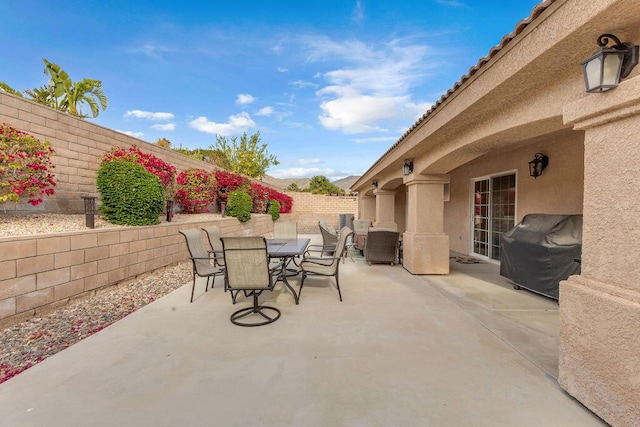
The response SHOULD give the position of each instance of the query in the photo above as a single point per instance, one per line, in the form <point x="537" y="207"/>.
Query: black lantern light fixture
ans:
<point x="374" y="184"/>
<point x="538" y="164"/>
<point x="608" y="65"/>
<point x="407" y="168"/>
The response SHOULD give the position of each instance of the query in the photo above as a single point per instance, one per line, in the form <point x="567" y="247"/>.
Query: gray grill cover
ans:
<point x="541" y="251"/>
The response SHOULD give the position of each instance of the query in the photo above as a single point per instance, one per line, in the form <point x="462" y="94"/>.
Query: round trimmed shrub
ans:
<point x="274" y="209"/>
<point x="239" y="205"/>
<point x="130" y="195"/>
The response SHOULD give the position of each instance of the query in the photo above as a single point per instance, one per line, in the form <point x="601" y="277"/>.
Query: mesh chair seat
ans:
<point x="247" y="269"/>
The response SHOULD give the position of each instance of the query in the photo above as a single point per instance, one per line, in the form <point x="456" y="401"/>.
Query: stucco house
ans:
<point x="470" y="155"/>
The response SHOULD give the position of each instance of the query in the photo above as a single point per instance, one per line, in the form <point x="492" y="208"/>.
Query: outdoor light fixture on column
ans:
<point x="538" y="164"/>
<point x="374" y="185"/>
<point x="407" y="168"/>
<point x="608" y="65"/>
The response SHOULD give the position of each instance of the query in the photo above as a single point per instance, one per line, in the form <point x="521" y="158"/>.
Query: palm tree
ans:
<point x="74" y="94"/>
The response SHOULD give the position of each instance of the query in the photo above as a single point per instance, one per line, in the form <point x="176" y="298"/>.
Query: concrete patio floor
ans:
<point x="400" y="350"/>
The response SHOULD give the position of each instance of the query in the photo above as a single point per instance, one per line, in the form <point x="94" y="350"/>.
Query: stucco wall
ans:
<point x="559" y="189"/>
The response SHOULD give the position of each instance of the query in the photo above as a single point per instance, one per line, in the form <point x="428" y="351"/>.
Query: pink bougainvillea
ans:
<point x="25" y="167"/>
<point x="196" y="190"/>
<point x="158" y="167"/>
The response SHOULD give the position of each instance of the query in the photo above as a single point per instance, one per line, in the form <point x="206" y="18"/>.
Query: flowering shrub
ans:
<point x="260" y="194"/>
<point x="25" y="167"/>
<point x="196" y="190"/>
<point x="228" y="182"/>
<point x="164" y="171"/>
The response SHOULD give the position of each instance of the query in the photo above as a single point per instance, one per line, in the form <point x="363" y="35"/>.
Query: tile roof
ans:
<point x="537" y="11"/>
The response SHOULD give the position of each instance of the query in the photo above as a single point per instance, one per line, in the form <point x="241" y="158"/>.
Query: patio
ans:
<point x="462" y="349"/>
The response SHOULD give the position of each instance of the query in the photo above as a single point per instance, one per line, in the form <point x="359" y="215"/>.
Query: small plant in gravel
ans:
<point x="25" y="167"/>
<point x="196" y="190"/>
<point x="130" y="195"/>
<point x="239" y="205"/>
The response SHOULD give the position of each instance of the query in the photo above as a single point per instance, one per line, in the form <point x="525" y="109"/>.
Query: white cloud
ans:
<point x="244" y="99"/>
<point x="151" y="50"/>
<point x="301" y="172"/>
<point x="309" y="161"/>
<point x="265" y="111"/>
<point x="139" y="114"/>
<point x="375" y="139"/>
<point x="358" y="12"/>
<point x="134" y="134"/>
<point x="282" y="70"/>
<point x="236" y="125"/>
<point x="453" y="3"/>
<point x="165" y="127"/>
<point x="373" y="93"/>
<point x="301" y="84"/>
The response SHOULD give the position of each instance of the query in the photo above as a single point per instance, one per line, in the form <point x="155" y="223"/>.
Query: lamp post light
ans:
<point x="90" y="211"/>
<point x="374" y="184"/>
<point x="608" y="65"/>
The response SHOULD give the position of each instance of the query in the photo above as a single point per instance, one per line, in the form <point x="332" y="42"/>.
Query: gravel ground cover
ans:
<point x="27" y="343"/>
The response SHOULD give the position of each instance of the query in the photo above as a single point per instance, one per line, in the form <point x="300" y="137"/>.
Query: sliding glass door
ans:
<point x="494" y="208"/>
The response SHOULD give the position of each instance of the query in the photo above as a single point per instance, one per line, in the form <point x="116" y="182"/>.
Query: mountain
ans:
<point x="343" y="183"/>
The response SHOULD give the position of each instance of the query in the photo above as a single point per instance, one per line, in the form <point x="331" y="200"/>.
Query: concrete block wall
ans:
<point x="309" y="208"/>
<point x="42" y="272"/>
<point x="79" y="144"/>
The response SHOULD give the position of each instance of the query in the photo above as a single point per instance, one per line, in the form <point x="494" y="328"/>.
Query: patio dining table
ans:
<point x="286" y="250"/>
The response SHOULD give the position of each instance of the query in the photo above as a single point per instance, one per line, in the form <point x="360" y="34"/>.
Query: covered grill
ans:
<point x="541" y="251"/>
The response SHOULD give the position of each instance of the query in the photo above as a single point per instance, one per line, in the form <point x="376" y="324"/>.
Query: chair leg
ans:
<point x="304" y="276"/>
<point x="338" y="286"/>
<point x="193" y="287"/>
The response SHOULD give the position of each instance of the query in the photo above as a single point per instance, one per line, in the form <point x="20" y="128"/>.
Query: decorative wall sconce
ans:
<point x="608" y="65"/>
<point x="407" y="168"/>
<point x="538" y="164"/>
<point x="374" y="184"/>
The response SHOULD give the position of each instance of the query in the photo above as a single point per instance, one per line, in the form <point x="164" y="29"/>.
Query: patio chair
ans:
<point x="360" y="230"/>
<point x="285" y="230"/>
<point x="381" y="246"/>
<point x="203" y="263"/>
<point x="324" y="265"/>
<point x="247" y="269"/>
<point x="329" y="236"/>
<point x="214" y="235"/>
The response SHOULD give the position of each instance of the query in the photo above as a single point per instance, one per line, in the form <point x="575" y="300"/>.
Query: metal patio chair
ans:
<point x="381" y="246"/>
<point x="324" y="265"/>
<point x="247" y="269"/>
<point x="203" y="263"/>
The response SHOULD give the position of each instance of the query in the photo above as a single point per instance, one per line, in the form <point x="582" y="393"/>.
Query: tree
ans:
<point x="163" y="142"/>
<point x="293" y="187"/>
<point x="63" y="94"/>
<point x="244" y="156"/>
<point x="321" y="185"/>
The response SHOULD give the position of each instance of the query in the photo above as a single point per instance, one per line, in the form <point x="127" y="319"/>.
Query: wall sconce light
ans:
<point x="374" y="185"/>
<point x="538" y="164"/>
<point x="608" y="65"/>
<point x="407" y="168"/>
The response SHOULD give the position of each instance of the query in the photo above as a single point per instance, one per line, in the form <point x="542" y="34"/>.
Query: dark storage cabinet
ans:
<point x="541" y="251"/>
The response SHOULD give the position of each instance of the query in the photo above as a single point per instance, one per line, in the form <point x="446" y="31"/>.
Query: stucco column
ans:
<point x="367" y="207"/>
<point x="385" y="209"/>
<point x="425" y="245"/>
<point x="600" y="309"/>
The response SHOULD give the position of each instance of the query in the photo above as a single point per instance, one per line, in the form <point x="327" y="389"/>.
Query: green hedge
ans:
<point x="239" y="205"/>
<point x="274" y="209"/>
<point x="130" y="195"/>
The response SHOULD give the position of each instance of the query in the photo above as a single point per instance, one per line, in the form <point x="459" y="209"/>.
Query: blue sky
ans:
<point x="330" y="84"/>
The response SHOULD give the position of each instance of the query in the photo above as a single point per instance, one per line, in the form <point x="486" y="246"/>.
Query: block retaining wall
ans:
<point x="43" y="272"/>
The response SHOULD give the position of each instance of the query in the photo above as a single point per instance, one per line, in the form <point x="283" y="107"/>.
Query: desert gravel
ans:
<point x="27" y="343"/>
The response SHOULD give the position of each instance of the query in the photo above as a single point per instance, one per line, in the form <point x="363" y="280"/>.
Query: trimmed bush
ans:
<point x="130" y="194"/>
<point x="239" y="205"/>
<point x="196" y="190"/>
<point x="274" y="209"/>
